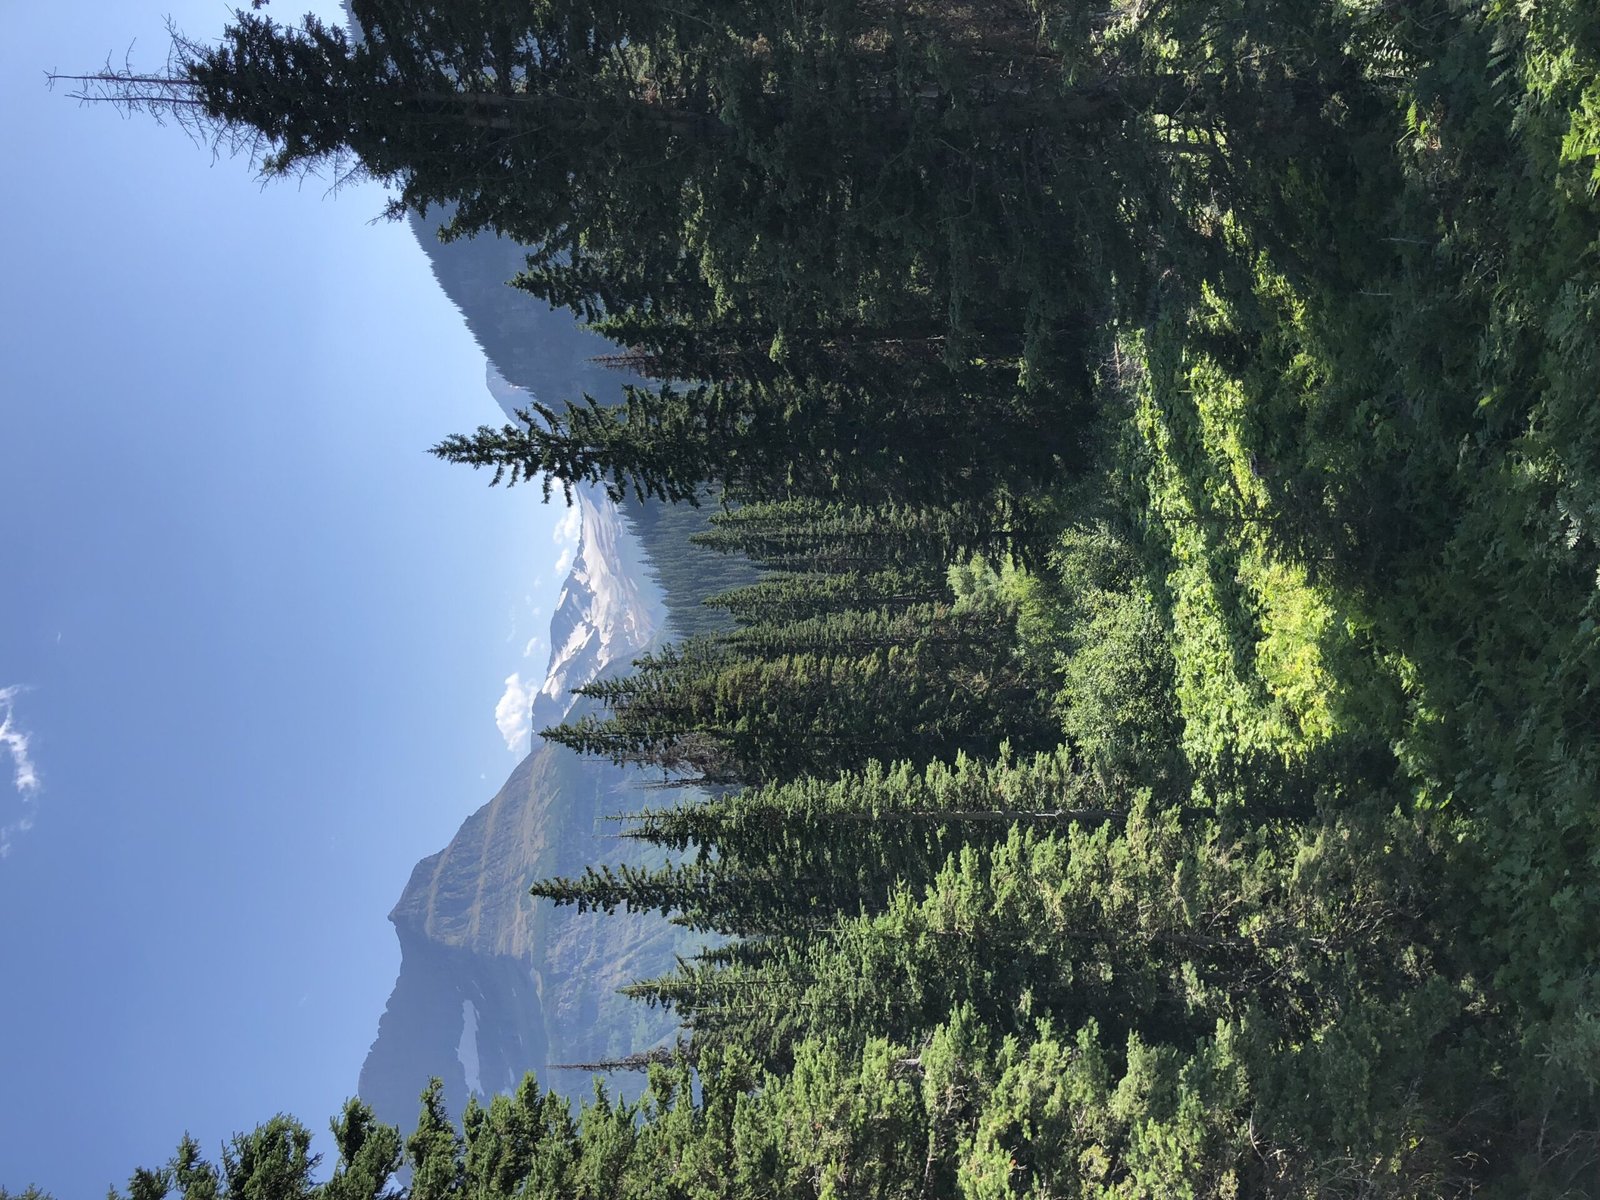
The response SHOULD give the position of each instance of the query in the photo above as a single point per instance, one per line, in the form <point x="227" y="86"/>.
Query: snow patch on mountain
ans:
<point x="467" y="1048"/>
<point x="610" y="610"/>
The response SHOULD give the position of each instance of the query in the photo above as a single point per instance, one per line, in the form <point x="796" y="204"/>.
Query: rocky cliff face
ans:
<point x="492" y="984"/>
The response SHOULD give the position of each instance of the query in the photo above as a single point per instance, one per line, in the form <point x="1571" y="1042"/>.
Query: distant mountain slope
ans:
<point x="532" y="346"/>
<point x="492" y="984"/>
<point x="539" y="353"/>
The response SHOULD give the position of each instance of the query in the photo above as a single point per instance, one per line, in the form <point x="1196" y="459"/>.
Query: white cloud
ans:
<point x="567" y="534"/>
<point x="511" y="714"/>
<point x="24" y="775"/>
<point x="569" y="527"/>
<point x="533" y="644"/>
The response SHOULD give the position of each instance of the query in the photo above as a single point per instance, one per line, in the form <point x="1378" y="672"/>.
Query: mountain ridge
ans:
<point x="482" y="965"/>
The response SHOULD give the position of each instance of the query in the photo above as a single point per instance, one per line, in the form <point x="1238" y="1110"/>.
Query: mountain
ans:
<point x="608" y="613"/>
<point x="492" y="984"/>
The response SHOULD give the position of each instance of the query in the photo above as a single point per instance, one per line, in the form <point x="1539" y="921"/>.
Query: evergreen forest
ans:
<point x="1152" y="745"/>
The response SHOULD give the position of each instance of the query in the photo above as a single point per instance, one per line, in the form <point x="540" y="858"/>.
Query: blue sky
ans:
<point x="252" y="638"/>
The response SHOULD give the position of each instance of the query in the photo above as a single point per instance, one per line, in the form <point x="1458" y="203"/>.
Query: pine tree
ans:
<point x="369" y="1155"/>
<point x="819" y="440"/>
<point x="781" y="596"/>
<point x="723" y="718"/>
<point x="434" y="1149"/>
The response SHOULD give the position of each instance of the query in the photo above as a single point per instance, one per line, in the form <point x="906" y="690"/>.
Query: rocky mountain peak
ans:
<point x="609" y="611"/>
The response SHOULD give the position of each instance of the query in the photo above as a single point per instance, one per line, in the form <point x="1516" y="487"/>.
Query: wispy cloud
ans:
<point x="24" y="775"/>
<point x="511" y="714"/>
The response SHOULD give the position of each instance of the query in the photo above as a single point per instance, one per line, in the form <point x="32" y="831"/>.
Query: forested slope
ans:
<point x="1161" y="757"/>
